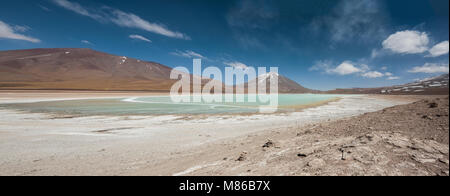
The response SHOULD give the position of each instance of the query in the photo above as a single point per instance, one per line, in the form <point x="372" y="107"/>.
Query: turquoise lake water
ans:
<point x="162" y="105"/>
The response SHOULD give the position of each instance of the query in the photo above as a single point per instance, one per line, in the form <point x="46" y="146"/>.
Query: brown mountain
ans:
<point x="86" y="69"/>
<point x="82" y="69"/>
<point x="285" y="85"/>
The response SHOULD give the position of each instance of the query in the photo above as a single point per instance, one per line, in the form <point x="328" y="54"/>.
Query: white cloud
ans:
<point x="236" y="64"/>
<point x="393" y="78"/>
<point x="349" y="68"/>
<point x="384" y="68"/>
<point x="86" y="42"/>
<point x="140" y="37"/>
<point x="8" y="32"/>
<point x="120" y="18"/>
<point x="439" y="49"/>
<point x="407" y="42"/>
<point x="373" y="74"/>
<point x="346" y="68"/>
<point x="430" y="68"/>
<point x="188" y="54"/>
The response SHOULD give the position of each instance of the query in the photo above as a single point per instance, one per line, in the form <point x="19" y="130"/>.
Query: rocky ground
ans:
<point x="403" y="140"/>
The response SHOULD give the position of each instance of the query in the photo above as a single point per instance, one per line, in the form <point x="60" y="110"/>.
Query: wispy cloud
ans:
<point x="77" y="8"/>
<point x="120" y="18"/>
<point x="237" y="65"/>
<point x="377" y="53"/>
<point x="44" y="8"/>
<point x="22" y="29"/>
<point x="133" y="21"/>
<point x="249" y="20"/>
<point x="86" y="42"/>
<point x="8" y="32"/>
<point x="188" y="54"/>
<point x="252" y="15"/>
<point x="140" y="37"/>
<point x="393" y="78"/>
<point x="431" y="68"/>
<point x="352" y="20"/>
<point x="390" y="76"/>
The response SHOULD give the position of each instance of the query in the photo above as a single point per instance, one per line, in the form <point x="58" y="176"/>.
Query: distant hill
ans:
<point x="82" y="69"/>
<point x="430" y="86"/>
<point x="86" y="69"/>
<point x="285" y="85"/>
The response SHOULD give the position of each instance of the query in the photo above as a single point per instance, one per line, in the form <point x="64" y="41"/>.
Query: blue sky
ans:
<point x="321" y="44"/>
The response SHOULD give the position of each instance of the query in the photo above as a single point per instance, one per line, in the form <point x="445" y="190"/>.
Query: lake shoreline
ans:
<point x="67" y="104"/>
<point x="38" y="144"/>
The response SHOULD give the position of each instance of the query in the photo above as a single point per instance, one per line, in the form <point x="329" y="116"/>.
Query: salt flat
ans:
<point x="48" y="144"/>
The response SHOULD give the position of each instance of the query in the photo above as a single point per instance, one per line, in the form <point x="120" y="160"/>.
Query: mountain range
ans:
<point x="430" y="86"/>
<point x="86" y="69"/>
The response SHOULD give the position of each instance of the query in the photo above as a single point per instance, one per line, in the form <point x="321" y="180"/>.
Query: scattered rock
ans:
<point x="111" y="131"/>
<point x="427" y="117"/>
<point x="269" y="144"/>
<point x="242" y="157"/>
<point x="370" y="137"/>
<point x="301" y="155"/>
<point x="444" y="161"/>
<point x="345" y="149"/>
<point x="404" y="140"/>
<point x="433" y="105"/>
<point x="305" y="152"/>
<point x="343" y="156"/>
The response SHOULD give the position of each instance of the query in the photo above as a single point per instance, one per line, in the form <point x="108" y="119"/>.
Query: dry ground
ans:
<point x="403" y="140"/>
